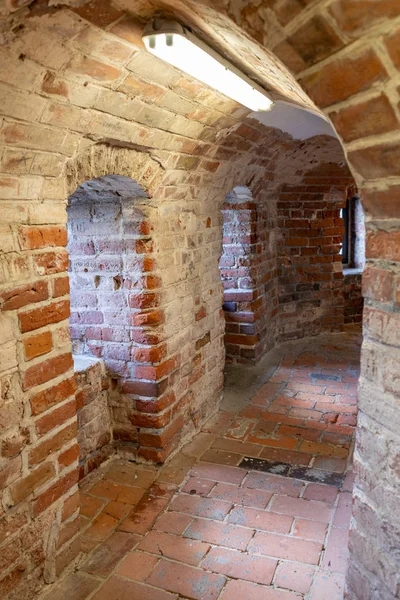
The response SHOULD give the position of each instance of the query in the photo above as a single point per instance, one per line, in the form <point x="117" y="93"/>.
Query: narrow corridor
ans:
<point x="257" y="506"/>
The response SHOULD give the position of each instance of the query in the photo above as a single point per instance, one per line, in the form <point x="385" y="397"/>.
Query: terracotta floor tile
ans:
<point x="187" y="581"/>
<point x="274" y="484"/>
<point x="172" y="522"/>
<point x="242" y="448"/>
<point x="119" y="588"/>
<point x="76" y="585"/>
<point x="144" y="514"/>
<point x="296" y="577"/>
<point x="106" y="557"/>
<point x="90" y="505"/>
<point x="238" y="590"/>
<point x="137" y="566"/>
<point x="200" y="487"/>
<point x="241" y="495"/>
<point x="260" y="519"/>
<point x="101" y="528"/>
<point x="200" y="518"/>
<point x="221" y="457"/>
<point x="218" y="473"/>
<point x="336" y="553"/>
<point x="290" y="548"/>
<point x="237" y="564"/>
<point x="219" y="534"/>
<point x="175" y="547"/>
<point x="327" y="585"/>
<point x="201" y="507"/>
<point x="311" y="530"/>
<point x="298" y="507"/>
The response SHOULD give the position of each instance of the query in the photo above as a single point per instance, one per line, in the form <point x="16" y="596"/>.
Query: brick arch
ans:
<point x="102" y="159"/>
<point x="127" y="329"/>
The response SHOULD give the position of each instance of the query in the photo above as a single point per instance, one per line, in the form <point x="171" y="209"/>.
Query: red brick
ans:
<point x="378" y="284"/>
<point x="311" y="530"/>
<point x="52" y="396"/>
<point x="47" y="370"/>
<point x="173" y="523"/>
<point x="297" y="507"/>
<point x="201" y="507"/>
<point x="219" y="534"/>
<point x="137" y="565"/>
<point x="71" y="505"/>
<point x="60" y="286"/>
<point x="95" y="69"/>
<point x="321" y="493"/>
<point x="144" y="514"/>
<point x="101" y="528"/>
<point x="286" y="547"/>
<point x="123" y="588"/>
<point x="160" y="439"/>
<point x="237" y="564"/>
<point x="260" y="519"/>
<point x="343" y="78"/>
<point x="35" y="237"/>
<point x="315" y="40"/>
<point x="151" y="355"/>
<point x="57" y="417"/>
<point x="55" y="491"/>
<point x="24" y="295"/>
<point x="239" y="495"/>
<point x="274" y="484"/>
<point x="90" y="506"/>
<point x="354" y="16"/>
<point x="236" y="590"/>
<point x="221" y="457"/>
<point x="69" y="456"/>
<point x="174" y="547"/>
<point x="186" y="581"/>
<point x="24" y="487"/>
<point x="103" y="560"/>
<point x="49" y="445"/>
<point x="218" y="473"/>
<point x="295" y="577"/>
<point x="144" y="388"/>
<point x="377" y="161"/>
<point x="371" y="117"/>
<point x="36" y="345"/>
<point x="45" y="315"/>
<point x="200" y="487"/>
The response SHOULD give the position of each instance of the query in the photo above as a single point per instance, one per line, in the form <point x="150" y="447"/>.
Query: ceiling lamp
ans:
<point x="175" y="44"/>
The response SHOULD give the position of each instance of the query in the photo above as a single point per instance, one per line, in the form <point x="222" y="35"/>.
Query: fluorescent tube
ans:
<point x="173" y="43"/>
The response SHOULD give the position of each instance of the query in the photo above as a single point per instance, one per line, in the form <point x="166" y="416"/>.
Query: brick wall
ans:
<point x="310" y="274"/>
<point x="248" y="271"/>
<point x="93" y="412"/>
<point x="353" y="300"/>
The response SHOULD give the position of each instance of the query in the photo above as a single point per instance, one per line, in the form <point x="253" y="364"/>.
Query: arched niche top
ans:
<point x="106" y="188"/>
<point x="240" y="194"/>
<point x="101" y="160"/>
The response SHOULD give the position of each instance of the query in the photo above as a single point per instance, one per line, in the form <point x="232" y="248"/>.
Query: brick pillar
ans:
<point x="245" y="275"/>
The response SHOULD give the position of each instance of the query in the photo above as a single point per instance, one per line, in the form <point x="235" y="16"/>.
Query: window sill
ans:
<point x="347" y="272"/>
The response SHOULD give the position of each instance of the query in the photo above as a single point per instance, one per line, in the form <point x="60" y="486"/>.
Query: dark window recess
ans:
<point x="347" y="233"/>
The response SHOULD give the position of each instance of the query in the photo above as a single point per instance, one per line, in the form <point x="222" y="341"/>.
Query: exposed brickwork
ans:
<point x="310" y="271"/>
<point x="67" y="84"/>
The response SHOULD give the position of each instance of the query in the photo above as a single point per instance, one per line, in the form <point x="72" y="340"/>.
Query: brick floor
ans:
<point x="204" y="528"/>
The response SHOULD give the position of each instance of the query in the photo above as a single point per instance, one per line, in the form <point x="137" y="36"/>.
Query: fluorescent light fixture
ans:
<point x="175" y="44"/>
